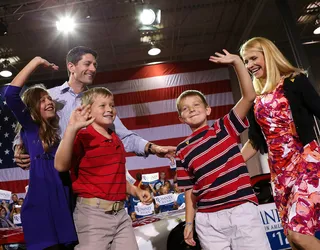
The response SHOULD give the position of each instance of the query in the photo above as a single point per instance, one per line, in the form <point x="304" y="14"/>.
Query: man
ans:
<point x="82" y="66"/>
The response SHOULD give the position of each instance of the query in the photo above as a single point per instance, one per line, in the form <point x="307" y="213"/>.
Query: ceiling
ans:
<point x="190" y="30"/>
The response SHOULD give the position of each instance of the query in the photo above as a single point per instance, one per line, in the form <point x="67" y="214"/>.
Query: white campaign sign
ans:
<point x="16" y="219"/>
<point x="143" y="210"/>
<point x="5" y="195"/>
<point x="164" y="199"/>
<point x="150" y="177"/>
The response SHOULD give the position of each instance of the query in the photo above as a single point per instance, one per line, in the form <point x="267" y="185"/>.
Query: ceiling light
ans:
<point x="147" y="17"/>
<point x="150" y="17"/>
<point x="5" y="73"/>
<point x="154" y="51"/>
<point x="65" y="24"/>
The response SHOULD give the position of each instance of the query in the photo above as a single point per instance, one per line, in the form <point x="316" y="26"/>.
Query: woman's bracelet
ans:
<point x="189" y="223"/>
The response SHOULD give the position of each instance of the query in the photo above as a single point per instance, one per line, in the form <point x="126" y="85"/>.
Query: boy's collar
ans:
<point x="200" y="130"/>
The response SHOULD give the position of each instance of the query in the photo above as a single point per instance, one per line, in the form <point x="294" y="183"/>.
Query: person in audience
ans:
<point x="165" y="207"/>
<point x="82" y="65"/>
<point x="167" y="184"/>
<point x="20" y="201"/>
<point x="96" y="157"/>
<point x="4" y="217"/>
<point x="14" y="198"/>
<point x="162" y="177"/>
<point x="282" y="124"/>
<point x="44" y="226"/>
<point x="212" y="171"/>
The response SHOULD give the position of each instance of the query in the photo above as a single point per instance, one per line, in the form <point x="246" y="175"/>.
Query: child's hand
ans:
<point x="188" y="234"/>
<point x="225" y="58"/>
<point x="144" y="196"/>
<point x="80" y="118"/>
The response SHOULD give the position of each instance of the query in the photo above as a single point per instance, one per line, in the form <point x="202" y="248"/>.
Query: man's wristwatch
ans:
<point x="149" y="149"/>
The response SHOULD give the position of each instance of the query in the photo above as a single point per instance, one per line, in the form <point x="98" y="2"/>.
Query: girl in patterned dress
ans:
<point x="282" y="123"/>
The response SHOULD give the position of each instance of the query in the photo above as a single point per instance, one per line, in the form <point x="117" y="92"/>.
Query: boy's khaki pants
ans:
<point x="100" y="231"/>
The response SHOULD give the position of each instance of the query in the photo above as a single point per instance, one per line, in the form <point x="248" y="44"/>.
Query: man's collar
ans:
<point x="65" y="87"/>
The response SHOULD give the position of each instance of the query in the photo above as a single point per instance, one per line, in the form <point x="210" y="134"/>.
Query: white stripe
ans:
<point x="166" y="81"/>
<point x="13" y="174"/>
<point x="166" y="132"/>
<point x="136" y="162"/>
<point x="159" y="107"/>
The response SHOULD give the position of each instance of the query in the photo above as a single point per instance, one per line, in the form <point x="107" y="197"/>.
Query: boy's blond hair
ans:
<point x="89" y="95"/>
<point x="187" y="93"/>
<point x="277" y="65"/>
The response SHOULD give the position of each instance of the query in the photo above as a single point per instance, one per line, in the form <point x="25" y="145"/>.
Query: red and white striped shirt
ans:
<point x="210" y="162"/>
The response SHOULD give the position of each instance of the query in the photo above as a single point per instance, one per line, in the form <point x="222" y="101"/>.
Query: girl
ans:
<point x="46" y="213"/>
<point x="282" y="124"/>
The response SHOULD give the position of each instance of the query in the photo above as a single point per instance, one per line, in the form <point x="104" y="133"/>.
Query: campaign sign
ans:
<point x="273" y="227"/>
<point x="144" y="210"/>
<point x="17" y="219"/>
<point x="5" y="195"/>
<point x="164" y="199"/>
<point x="150" y="178"/>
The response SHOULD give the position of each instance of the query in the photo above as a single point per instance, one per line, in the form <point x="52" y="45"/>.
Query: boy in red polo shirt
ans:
<point x="212" y="170"/>
<point x="96" y="158"/>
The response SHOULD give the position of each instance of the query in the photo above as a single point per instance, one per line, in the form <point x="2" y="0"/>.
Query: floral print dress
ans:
<point x="295" y="169"/>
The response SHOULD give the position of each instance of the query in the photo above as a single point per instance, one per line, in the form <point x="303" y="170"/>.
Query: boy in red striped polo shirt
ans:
<point x="96" y="157"/>
<point x="212" y="170"/>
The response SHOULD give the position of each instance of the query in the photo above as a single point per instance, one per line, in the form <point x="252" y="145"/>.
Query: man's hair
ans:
<point x="276" y="63"/>
<point x="76" y="53"/>
<point x="189" y="93"/>
<point x="48" y="129"/>
<point x="90" y="94"/>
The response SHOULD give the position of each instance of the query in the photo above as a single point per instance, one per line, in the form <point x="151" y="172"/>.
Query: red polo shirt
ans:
<point x="98" y="166"/>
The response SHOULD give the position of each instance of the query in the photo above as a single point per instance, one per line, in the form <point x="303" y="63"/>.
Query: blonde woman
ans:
<point x="282" y="124"/>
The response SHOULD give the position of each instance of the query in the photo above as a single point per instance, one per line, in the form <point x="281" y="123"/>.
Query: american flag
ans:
<point x="9" y="172"/>
<point x="145" y="102"/>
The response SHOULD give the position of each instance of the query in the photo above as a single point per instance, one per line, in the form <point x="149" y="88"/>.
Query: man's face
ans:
<point x="14" y="198"/>
<point x="84" y="71"/>
<point x="162" y="175"/>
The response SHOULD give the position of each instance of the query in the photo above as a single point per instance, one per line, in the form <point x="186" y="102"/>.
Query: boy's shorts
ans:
<point x="236" y="228"/>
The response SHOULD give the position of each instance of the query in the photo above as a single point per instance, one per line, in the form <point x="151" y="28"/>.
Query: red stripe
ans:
<point x="17" y="186"/>
<point x="154" y="70"/>
<point x="165" y="119"/>
<point x="170" y="93"/>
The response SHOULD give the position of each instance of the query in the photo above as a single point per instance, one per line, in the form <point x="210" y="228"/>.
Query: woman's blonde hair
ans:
<point x="277" y="65"/>
<point x="48" y="129"/>
<point x="89" y="95"/>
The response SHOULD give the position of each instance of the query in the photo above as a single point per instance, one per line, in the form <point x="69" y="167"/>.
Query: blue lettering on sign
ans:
<point x="271" y="216"/>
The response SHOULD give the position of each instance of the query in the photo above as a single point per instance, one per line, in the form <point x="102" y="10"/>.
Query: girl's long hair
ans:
<point x="48" y="129"/>
<point x="277" y="65"/>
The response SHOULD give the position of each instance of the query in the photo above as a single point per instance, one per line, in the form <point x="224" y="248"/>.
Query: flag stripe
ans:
<point x="153" y="70"/>
<point x="15" y="186"/>
<point x="170" y="118"/>
<point x="170" y="92"/>
<point x="167" y="81"/>
<point x="160" y="107"/>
